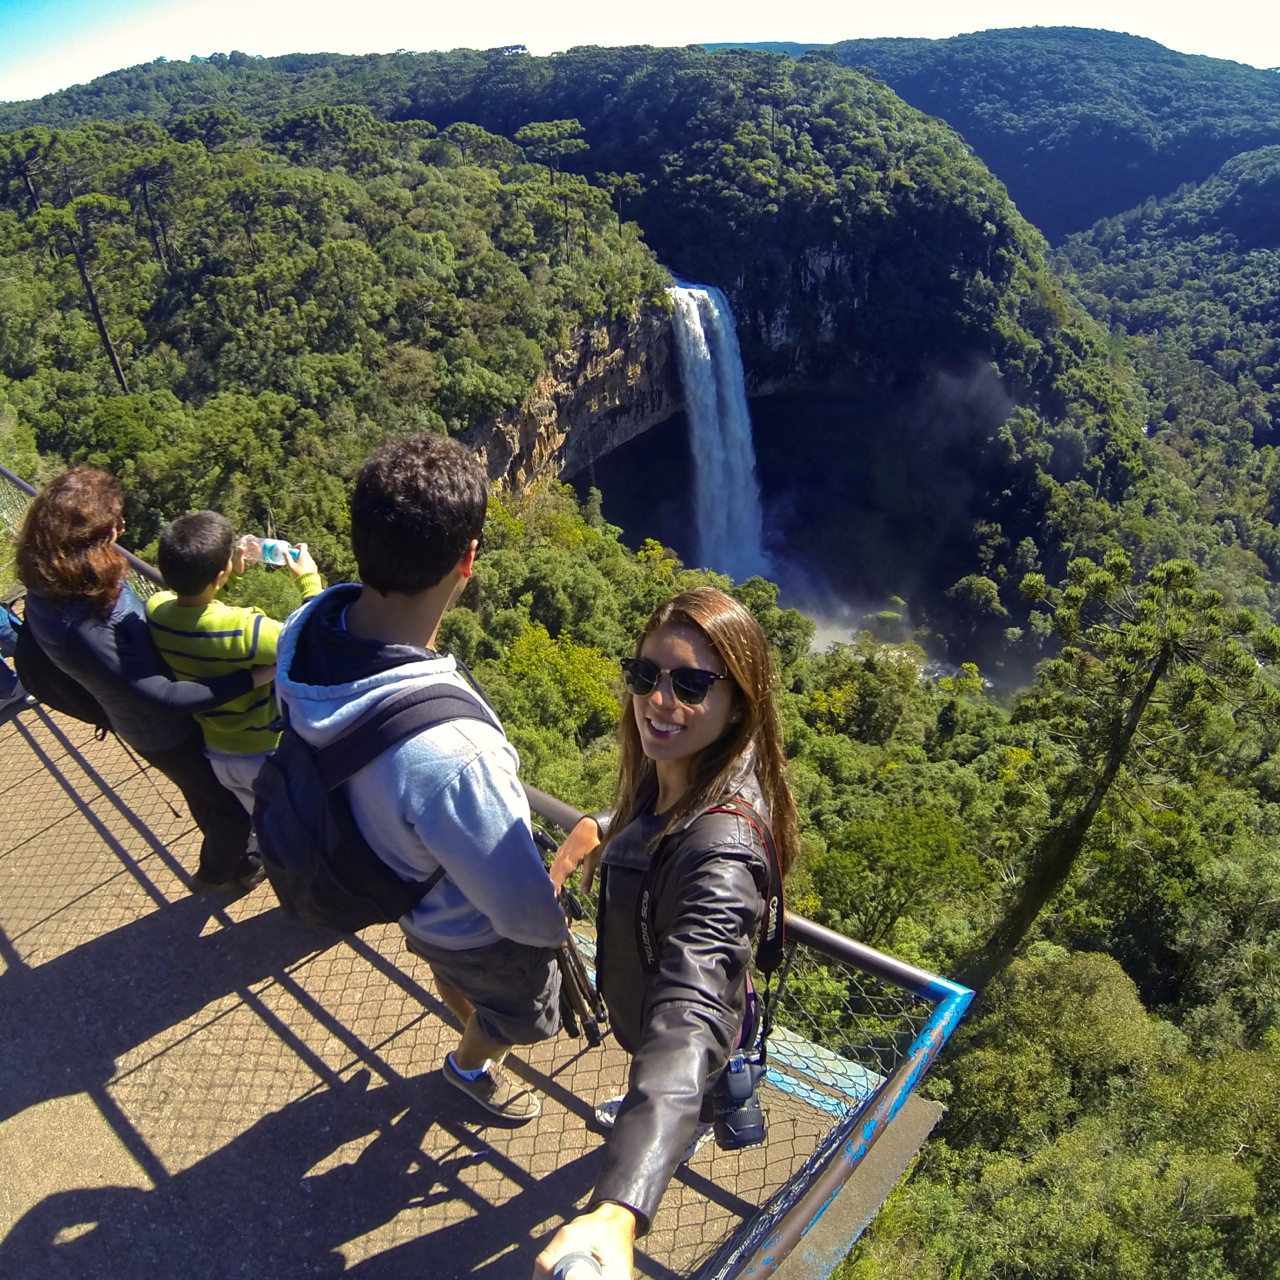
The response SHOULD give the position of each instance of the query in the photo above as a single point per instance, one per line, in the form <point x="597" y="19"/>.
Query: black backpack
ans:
<point x="320" y="865"/>
<point x="48" y="683"/>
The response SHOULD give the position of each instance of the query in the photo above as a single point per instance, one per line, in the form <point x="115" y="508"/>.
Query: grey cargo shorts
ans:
<point x="514" y="987"/>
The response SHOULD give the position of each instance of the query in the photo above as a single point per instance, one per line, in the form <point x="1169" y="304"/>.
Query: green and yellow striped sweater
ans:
<point x="213" y="639"/>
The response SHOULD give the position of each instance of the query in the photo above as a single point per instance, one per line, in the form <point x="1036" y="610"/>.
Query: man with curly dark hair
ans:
<point x="448" y="796"/>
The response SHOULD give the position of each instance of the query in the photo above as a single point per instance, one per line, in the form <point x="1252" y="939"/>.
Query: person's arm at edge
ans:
<point x="478" y="826"/>
<point x="127" y="654"/>
<point x="581" y="848"/>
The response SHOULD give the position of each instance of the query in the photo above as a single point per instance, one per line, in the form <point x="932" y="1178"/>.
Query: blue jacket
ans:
<point x="448" y="796"/>
<point x="117" y="661"/>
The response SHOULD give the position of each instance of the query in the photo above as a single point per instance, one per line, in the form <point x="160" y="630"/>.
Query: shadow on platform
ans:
<point x="255" y="1208"/>
<point x="68" y="1020"/>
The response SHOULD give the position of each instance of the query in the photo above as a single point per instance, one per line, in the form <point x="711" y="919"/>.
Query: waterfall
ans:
<point x="726" y="494"/>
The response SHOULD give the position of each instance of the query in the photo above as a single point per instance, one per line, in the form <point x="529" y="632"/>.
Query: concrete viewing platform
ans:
<point x="199" y="1086"/>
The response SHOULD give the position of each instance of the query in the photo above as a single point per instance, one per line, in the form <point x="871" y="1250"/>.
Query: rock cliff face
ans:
<point x="621" y="379"/>
<point x="803" y="342"/>
<point x="617" y="381"/>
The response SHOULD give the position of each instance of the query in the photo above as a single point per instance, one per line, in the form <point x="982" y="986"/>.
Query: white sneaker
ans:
<point x="607" y="1115"/>
<point x="607" y="1112"/>
<point x="18" y="698"/>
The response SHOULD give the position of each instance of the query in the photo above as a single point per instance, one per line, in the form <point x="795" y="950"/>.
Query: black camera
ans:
<point x="735" y="1103"/>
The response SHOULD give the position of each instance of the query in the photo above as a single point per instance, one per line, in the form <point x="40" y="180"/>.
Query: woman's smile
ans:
<point x="662" y="729"/>
<point x="674" y="733"/>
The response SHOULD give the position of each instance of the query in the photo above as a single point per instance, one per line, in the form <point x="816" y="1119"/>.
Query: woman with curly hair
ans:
<point x="92" y="626"/>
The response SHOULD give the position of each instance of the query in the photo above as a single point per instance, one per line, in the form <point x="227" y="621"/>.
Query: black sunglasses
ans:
<point x="690" y="684"/>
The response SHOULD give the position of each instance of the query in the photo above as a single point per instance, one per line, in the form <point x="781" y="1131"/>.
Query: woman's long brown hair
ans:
<point x="738" y="638"/>
<point x="67" y="547"/>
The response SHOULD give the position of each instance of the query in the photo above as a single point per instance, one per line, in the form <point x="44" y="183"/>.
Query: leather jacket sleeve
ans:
<point x="708" y="910"/>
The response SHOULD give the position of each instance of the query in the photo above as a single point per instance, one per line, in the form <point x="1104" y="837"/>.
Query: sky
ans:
<point x="46" y="45"/>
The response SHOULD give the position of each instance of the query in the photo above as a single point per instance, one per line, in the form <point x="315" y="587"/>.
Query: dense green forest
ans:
<point x="862" y="232"/>
<point x="1193" y="282"/>
<point x="225" y="280"/>
<point x="735" y="165"/>
<point x="222" y="326"/>
<point x="1078" y="124"/>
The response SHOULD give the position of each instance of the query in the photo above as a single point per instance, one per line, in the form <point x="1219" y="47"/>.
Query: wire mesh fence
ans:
<point x="13" y="507"/>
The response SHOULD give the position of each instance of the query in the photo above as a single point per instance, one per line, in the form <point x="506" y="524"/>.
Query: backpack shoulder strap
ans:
<point x="770" y="945"/>
<point x="474" y="683"/>
<point x="391" y="722"/>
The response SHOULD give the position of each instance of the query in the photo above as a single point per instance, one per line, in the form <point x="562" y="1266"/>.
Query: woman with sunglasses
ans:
<point x="702" y="729"/>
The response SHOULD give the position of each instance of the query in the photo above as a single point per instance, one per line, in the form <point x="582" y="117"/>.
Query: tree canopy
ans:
<point x="1078" y="124"/>
<point x="226" y="280"/>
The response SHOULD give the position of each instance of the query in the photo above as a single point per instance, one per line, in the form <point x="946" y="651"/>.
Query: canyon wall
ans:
<point x="797" y="327"/>
<point x="616" y="382"/>
<point x="621" y="378"/>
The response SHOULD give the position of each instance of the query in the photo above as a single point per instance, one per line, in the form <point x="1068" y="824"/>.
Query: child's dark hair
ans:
<point x="418" y="504"/>
<point x="194" y="549"/>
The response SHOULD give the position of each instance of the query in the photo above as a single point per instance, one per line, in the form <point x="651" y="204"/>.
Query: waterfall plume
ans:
<point x="726" y="494"/>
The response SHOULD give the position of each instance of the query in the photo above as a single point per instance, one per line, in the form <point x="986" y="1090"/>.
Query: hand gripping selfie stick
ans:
<point x="577" y="1266"/>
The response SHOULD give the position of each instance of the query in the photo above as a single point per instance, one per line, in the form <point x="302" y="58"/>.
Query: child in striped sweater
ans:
<point x="199" y="635"/>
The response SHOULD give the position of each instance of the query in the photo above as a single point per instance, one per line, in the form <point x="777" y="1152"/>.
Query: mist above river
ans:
<point x="870" y="499"/>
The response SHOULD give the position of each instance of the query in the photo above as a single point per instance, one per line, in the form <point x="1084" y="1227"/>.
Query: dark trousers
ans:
<point x="219" y="815"/>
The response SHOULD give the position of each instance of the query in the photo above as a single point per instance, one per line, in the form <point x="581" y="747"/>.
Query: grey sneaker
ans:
<point x="607" y="1116"/>
<point x="495" y="1091"/>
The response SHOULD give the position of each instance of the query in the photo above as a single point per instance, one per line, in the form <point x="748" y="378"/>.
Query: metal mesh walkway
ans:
<point x="199" y="1085"/>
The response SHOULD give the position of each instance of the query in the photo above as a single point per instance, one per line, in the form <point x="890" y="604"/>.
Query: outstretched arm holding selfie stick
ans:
<point x="684" y="880"/>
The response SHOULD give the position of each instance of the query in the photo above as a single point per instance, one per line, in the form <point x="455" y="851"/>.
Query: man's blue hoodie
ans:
<point x="449" y="796"/>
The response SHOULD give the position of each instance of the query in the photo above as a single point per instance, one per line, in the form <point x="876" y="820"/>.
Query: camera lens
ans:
<point x="735" y="1104"/>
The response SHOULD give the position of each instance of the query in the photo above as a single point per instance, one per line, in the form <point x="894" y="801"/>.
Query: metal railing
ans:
<point x="854" y="1033"/>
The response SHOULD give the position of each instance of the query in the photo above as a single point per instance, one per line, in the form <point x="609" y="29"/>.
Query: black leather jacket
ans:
<point x="682" y="1022"/>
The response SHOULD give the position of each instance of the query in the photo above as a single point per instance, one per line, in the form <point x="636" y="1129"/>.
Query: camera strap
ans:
<point x="770" y="944"/>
